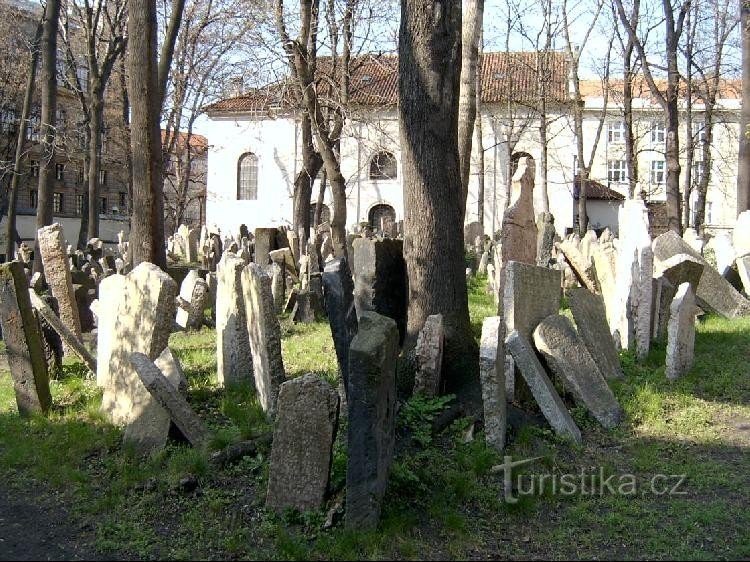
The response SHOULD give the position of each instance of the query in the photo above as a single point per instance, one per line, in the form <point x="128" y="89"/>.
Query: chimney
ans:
<point x="235" y="86"/>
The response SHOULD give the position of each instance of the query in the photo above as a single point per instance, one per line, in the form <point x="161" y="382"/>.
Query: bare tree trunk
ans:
<point x="480" y="154"/>
<point x="147" y="234"/>
<point x="303" y="183"/>
<point x="473" y="11"/>
<point x="319" y="202"/>
<point x="702" y="188"/>
<point x="429" y="39"/>
<point x="47" y="121"/>
<point x="743" y="170"/>
<point x="627" y="107"/>
<point x="95" y="157"/>
<point x="11" y="234"/>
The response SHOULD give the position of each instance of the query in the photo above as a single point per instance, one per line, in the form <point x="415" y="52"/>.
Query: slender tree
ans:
<point x="743" y="170"/>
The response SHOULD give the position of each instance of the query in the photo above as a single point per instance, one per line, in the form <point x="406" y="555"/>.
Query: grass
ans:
<point x="443" y="499"/>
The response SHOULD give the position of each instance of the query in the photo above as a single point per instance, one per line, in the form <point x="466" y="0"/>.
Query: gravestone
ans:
<point x="265" y="241"/>
<point x="338" y="297"/>
<point x="492" y="378"/>
<point x="580" y="265"/>
<point x="714" y="292"/>
<point x="277" y="287"/>
<point x="741" y="234"/>
<point x="545" y="226"/>
<point x="233" y="351"/>
<point x="743" y="268"/>
<point x="591" y="320"/>
<point x="145" y="317"/>
<point x="265" y="336"/>
<point x="380" y="282"/>
<point x="57" y="273"/>
<point x="291" y="301"/>
<point x="194" y="292"/>
<point x="23" y="342"/>
<point x="371" y="398"/>
<point x="302" y="450"/>
<point x="541" y="386"/>
<point x="307" y="308"/>
<point x="519" y="229"/>
<point x="429" y="357"/>
<point x="567" y="356"/>
<point x="111" y="291"/>
<point x="681" y="333"/>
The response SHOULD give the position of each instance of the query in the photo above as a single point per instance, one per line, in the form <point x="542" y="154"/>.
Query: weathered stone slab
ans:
<point x="145" y="317"/>
<point x="546" y="233"/>
<point x="681" y="333"/>
<point x="194" y="291"/>
<point x="302" y="449"/>
<point x="233" y="351"/>
<point x="57" y="273"/>
<point x="68" y="337"/>
<point x="714" y="292"/>
<point x="519" y="228"/>
<point x="567" y="356"/>
<point x="372" y="415"/>
<point x="743" y="268"/>
<point x="110" y="294"/>
<point x="169" y="397"/>
<point x="23" y="342"/>
<point x="291" y="300"/>
<point x="580" y="265"/>
<point x="338" y="297"/>
<point x="429" y="356"/>
<point x="307" y="309"/>
<point x="277" y="287"/>
<point x="741" y="234"/>
<point x="265" y="241"/>
<point x="679" y="269"/>
<point x="541" y="386"/>
<point x="604" y="256"/>
<point x="265" y="336"/>
<point x="591" y="320"/>
<point x="380" y="282"/>
<point x="492" y="378"/>
<point x="663" y="293"/>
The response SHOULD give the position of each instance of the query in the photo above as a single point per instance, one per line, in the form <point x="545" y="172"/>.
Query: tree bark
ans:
<point x="743" y="171"/>
<point x="147" y="229"/>
<point x="303" y="184"/>
<point x="11" y="234"/>
<point x="429" y="55"/>
<point x="95" y="160"/>
<point x="319" y="202"/>
<point x="47" y="120"/>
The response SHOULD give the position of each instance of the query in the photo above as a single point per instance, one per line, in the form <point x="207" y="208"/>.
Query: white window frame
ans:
<point x="658" y="132"/>
<point x="658" y="173"/>
<point x="617" y="171"/>
<point x="616" y="131"/>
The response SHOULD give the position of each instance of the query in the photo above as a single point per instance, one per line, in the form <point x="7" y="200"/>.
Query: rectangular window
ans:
<point x="80" y="176"/>
<point x="699" y="131"/>
<point x="32" y="128"/>
<point x="34" y="168"/>
<point x="33" y="198"/>
<point x="8" y="119"/>
<point x="102" y="205"/>
<point x="57" y="202"/>
<point x="123" y="202"/>
<point x="59" y="172"/>
<point x="616" y="131"/>
<point x="697" y="172"/>
<point x="617" y="171"/>
<point x="658" y="171"/>
<point x="102" y="177"/>
<point x="79" y="205"/>
<point x="658" y="132"/>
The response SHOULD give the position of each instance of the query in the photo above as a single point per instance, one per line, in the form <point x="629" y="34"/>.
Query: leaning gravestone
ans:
<point x="429" y="356"/>
<point x="681" y="333"/>
<point x="591" y="320"/>
<point x="372" y="416"/>
<point x="277" y="287"/>
<point x="110" y="294"/>
<point x="338" y="297"/>
<point x="567" y="356"/>
<point x="144" y="322"/>
<point x="23" y="342"/>
<point x="194" y="292"/>
<point x="492" y="378"/>
<point x="714" y="292"/>
<point x="57" y="273"/>
<point x="579" y="263"/>
<point x="265" y="336"/>
<point x="233" y="352"/>
<point x="541" y="386"/>
<point x="380" y="282"/>
<point x="519" y="228"/>
<point x="302" y="449"/>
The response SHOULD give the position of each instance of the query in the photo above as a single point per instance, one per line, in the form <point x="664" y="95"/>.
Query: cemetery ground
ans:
<point x="70" y="490"/>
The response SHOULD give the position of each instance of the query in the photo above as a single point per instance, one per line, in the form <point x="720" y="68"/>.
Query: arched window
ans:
<point x="383" y="220"/>
<point x="383" y="166"/>
<point x="247" y="176"/>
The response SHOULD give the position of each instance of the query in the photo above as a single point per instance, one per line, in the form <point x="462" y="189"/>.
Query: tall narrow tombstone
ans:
<point x="265" y="241"/>
<point x="604" y="256"/>
<point x="429" y="356"/>
<point x="492" y="378"/>
<point x="277" y="287"/>
<point x="111" y="291"/>
<point x="681" y="333"/>
<point x="541" y="386"/>
<point x="380" y="282"/>
<point x="302" y="449"/>
<point x="567" y="356"/>
<point x="372" y="416"/>
<point x="714" y="292"/>
<point x="519" y="228"/>
<point x="265" y="336"/>
<point x="233" y="351"/>
<point x="338" y="297"/>
<point x="194" y="292"/>
<point x="57" y="273"/>
<point x="545" y="226"/>
<point x="591" y="320"/>
<point x="23" y="342"/>
<point x="144" y="321"/>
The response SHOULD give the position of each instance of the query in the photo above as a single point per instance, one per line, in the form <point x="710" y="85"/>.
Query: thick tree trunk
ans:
<point x="48" y="114"/>
<point x="147" y="218"/>
<point x="10" y="232"/>
<point x="429" y="54"/>
<point x="319" y="201"/>
<point x="303" y="183"/>
<point x="95" y="164"/>
<point x="743" y="171"/>
<point x="473" y="11"/>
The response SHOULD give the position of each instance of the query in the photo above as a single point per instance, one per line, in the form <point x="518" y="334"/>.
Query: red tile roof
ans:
<point x="596" y="190"/>
<point x="374" y="82"/>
